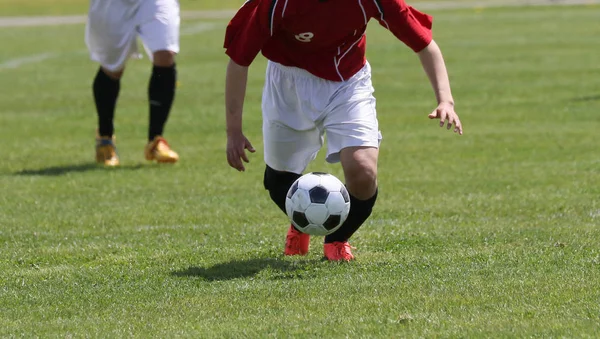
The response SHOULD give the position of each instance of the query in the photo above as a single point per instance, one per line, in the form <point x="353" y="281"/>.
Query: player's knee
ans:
<point x="278" y="180"/>
<point x="115" y="75"/>
<point x="360" y="171"/>
<point x="278" y="183"/>
<point x="362" y="182"/>
<point x="163" y="58"/>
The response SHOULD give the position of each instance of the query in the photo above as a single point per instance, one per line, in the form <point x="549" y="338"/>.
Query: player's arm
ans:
<point x="413" y="28"/>
<point x="252" y="26"/>
<point x="433" y="63"/>
<point x="236" y="80"/>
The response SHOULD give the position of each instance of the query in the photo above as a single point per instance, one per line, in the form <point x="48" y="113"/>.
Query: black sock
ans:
<point x="360" y="210"/>
<point x="106" y="92"/>
<point x="278" y="183"/>
<point x="161" y="92"/>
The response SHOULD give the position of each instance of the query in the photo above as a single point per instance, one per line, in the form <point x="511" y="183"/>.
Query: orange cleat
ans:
<point x="296" y="242"/>
<point x="338" y="251"/>
<point x="159" y="150"/>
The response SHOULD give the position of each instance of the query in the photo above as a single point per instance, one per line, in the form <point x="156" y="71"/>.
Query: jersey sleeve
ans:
<point x="250" y="28"/>
<point x="409" y="25"/>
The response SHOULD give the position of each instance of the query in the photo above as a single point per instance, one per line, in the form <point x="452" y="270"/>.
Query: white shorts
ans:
<point x="114" y="25"/>
<point x="299" y="109"/>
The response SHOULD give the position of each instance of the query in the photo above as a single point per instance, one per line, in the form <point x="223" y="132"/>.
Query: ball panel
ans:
<point x="299" y="219"/>
<point x="318" y="194"/>
<point x="345" y="211"/>
<point x="332" y="222"/>
<point x="289" y="207"/>
<point x="335" y="203"/>
<point x="308" y="181"/>
<point x="331" y="183"/>
<point x="313" y="229"/>
<point x="301" y="200"/>
<point x="292" y="189"/>
<point x="317" y="213"/>
<point x="345" y="194"/>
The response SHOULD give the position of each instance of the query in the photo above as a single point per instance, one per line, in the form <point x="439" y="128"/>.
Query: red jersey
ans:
<point x="324" y="37"/>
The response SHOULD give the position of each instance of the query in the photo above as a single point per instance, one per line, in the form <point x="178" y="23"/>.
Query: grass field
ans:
<point x="69" y="7"/>
<point x="66" y="7"/>
<point x="492" y="234"/>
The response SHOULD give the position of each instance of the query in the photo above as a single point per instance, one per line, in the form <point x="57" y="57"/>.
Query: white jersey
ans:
<point x="114" y="25"/>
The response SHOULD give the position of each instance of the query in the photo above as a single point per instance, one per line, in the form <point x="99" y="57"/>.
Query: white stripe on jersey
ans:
<point x="337" y="61"/>
<point x="284" y="7"/>
<point x="363" y="10"/>
<point x="381" y="14"/>
<point x="273" y="15"/>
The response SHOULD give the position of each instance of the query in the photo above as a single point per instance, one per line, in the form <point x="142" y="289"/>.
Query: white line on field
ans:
<point x="36" y="58"/>
<point x="197" y="28"/>
<point x="36" y="21"/>
<point x="31" y="59"/>
<point x="29" y="21"/>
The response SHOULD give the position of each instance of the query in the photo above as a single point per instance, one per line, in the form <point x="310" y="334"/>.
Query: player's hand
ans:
<point x="445" y="112"/>
<point x="237" y="144"/>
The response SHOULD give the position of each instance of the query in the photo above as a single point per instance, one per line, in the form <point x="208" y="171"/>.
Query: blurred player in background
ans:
<point x="111" y="36"/>
<point x="319" y="81"/>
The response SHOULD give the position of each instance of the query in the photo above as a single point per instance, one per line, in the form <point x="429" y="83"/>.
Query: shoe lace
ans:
<point x="344" y="249"/>
<point x="109" y="150"/>
<point x="293" y="240"/>
<point x="163" y="144"/>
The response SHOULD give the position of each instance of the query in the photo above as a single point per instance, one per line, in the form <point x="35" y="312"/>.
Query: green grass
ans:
<point x="69" y="7"/>
<point x="492" y="234"/>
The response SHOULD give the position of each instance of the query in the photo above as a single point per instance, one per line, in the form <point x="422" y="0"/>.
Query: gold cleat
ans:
<point x="159" y="150"/>
<point x="106" y="151"/>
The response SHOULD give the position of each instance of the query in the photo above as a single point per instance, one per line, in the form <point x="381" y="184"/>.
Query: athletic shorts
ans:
<point x="113" y="27"/>
<point x="301" y="111"/>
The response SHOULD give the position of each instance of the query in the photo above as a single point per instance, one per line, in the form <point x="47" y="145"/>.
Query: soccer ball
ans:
<point x="317" y="203"/>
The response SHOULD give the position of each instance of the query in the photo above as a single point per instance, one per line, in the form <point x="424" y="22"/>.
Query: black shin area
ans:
<point x="161" y="93"/>
<point x="106" y="92"/>
<point x="278" y="183"/>
<point x="360" y="210"/>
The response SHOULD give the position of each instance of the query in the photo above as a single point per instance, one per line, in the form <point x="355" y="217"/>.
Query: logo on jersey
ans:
<point x="305" y="37"/>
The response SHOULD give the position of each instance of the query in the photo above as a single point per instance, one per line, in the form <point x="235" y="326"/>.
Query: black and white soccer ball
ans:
<point x="317" y="203"/>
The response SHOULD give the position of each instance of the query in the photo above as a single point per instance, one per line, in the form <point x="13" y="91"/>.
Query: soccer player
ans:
<point x="318" y="82"/>
<point x="111" y="36"/>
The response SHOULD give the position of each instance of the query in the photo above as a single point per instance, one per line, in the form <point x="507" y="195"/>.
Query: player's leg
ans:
<point x="287" y="152"/>
<point x="291" y="142"/>
<point x="278" y="183"/>
<point x="110" y="38"/>
<point x="353" y="139"/>
<point x="160" y="36"/>
<point x="106" y="87"/>
<point x="161" y="91"/>
<point x="360" y="172"/>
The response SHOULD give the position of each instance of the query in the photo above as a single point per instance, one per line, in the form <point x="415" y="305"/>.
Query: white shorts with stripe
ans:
<point x="300" y="109"/>
<point x="114" y="25"/>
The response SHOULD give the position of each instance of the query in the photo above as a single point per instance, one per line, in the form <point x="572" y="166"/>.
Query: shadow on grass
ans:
<point x="588" y="98"/>
<point x="283" y="269"/>
<point x="78" y="168"/>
